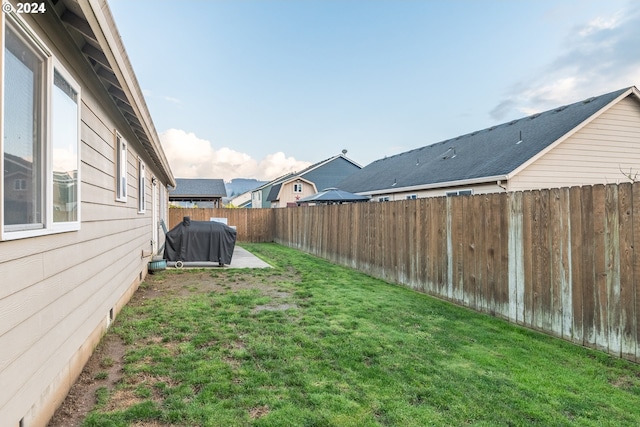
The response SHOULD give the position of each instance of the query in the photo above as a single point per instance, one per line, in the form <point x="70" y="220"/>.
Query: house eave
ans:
<point x="105" y="53"/>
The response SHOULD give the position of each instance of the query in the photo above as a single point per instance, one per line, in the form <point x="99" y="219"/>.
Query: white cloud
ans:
<point x="600" y="23"/>
<point x="193" y="157"/>
<point x="599" y="57"/>
<point x="172" y="100"/>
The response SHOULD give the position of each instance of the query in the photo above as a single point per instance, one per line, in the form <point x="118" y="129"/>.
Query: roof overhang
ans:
<point x="431" y="186"/>
<point x="92" y="27"/>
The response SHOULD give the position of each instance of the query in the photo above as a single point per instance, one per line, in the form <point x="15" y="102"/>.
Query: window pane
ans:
<point x="141" y="187"/>
<point x="65" y="150"/>
<point x="121" y="168"/>
<point x="23" y="194"/>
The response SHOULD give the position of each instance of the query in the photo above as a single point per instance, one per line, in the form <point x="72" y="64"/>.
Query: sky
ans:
<point x="259" y="88"/>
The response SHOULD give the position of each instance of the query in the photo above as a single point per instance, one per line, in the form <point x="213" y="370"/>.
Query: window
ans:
<point x="412" y="197"/>
<point x="121" y="168"/>
<point x="64" y="149"/>
<point x="459" y="193"/>
<point x="297" y="187"/>
<point x="383" y="199"/>
<point x="20" y="184"/>
<point x="40" y="141"/>
<point x="142" y="200"/>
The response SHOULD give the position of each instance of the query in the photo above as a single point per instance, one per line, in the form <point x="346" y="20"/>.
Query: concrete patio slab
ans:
<point x="241" y="258"/>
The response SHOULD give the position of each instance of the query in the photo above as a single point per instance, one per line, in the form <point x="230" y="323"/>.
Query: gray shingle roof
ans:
<point x="273" y="193"/>
<point x="199" y="187"/>
<point x="494" y="151"/>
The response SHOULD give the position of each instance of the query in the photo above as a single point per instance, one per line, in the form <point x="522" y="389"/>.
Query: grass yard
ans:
<point x="309" y="343"/>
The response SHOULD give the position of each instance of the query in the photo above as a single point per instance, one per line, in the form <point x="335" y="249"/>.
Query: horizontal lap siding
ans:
<point x="58" y="289"/>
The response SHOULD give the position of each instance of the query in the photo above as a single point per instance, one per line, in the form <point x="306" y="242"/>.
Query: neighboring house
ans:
<point x="242" y="200"/>
<point x="83" y="186"/>
<point x="321" y="175"/>
<point x="198" y="192"/>
<point x="595" y="141"/>
<point x="290" y="191"/>
<point x="260" y="196"/>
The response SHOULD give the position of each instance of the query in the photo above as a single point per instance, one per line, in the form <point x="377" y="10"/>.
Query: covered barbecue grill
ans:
<point x="200" y="241"/>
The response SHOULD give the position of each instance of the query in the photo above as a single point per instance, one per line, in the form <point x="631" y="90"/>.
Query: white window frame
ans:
<point x="297" y="187"/>
<point x="412" y="196"/>
<point x="121" y="161"/>
<point x="51" y="65"/>
<point x="142" y="182"/>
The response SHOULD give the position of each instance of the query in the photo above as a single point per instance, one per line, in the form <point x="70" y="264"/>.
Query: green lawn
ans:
<point x="309" y="343"/>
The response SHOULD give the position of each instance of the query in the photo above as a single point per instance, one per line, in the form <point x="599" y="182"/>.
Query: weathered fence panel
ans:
<point x="562" y="261"/>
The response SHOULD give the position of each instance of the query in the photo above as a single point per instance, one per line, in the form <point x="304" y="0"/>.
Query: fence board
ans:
<point x="442" y="260"/>
<point x="564" y="264"/>
<point x="468" y="249"/>
<point x="515" y="262"/>
<point x="503" y="255"/>
<point x="627" y="291"/>
<point x="555" y="278"/>
<point x="577" y="263"/>
<point x="600" y="300"/>
<point x="636" y="264"/>
<point x="588" y="266"/>
<point x="490" y="239"/>
<point x="612" y="265"/>
<point x="457" y="252"/>
<point x="544" y="276"/>
<point x="528" y="248"/>
<point x="481" y="250"/>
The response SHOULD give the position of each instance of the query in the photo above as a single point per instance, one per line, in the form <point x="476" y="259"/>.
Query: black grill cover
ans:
<point x="200" y="241"/>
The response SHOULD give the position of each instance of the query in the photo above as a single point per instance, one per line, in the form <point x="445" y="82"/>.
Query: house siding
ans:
<point x="57" y="291"/>
<point x="288" y="196"/>
<point x="599" y="153"/>
<point x="438" y="192"/>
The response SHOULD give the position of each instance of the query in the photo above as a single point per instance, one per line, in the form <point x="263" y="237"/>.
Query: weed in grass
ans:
<point x="102" y="375"/>
<point x="107" y="362"/>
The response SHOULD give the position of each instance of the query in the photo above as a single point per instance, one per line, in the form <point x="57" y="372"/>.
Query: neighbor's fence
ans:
<point x="562" y="261"/>
<point x="252" y="225"/>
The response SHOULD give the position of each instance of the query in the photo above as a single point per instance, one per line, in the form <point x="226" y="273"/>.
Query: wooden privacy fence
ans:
<point x="252" y="225"/>
<point x="561" y="261"/>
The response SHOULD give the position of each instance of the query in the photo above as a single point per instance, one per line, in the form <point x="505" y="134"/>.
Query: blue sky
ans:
<point x="255" y="88"/>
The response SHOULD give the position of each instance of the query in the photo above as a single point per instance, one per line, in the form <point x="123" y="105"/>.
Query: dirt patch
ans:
<point x="274" y="307"/>
<point x="104" y="369"/>
<point x="259" y="412"/>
